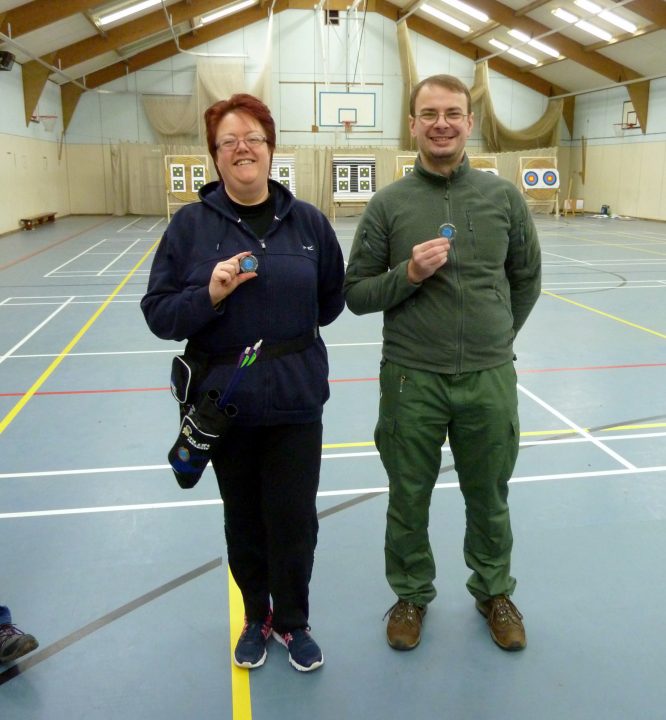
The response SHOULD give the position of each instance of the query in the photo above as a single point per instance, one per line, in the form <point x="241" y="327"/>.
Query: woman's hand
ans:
<point x="226" y="277"/>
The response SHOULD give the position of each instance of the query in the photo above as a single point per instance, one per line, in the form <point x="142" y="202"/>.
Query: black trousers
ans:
<point x="268" y="478"/>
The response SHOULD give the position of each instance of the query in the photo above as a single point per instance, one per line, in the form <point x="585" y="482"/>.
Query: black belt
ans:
<point x="268" y="352"/>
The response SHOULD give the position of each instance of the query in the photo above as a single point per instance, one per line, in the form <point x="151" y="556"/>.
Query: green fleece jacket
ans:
<point x="465" y="317"/>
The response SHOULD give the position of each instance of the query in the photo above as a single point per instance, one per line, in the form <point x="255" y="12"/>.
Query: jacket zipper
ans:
<point x="458" y="284"/>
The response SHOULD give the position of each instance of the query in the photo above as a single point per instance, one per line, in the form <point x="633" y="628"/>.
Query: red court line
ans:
<point x="339" y="380"/>
<point x="52" y="245"/>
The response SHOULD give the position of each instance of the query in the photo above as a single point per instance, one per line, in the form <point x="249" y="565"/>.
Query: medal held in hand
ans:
<point x="248" y="264"/>
<point x="447" y="230"/>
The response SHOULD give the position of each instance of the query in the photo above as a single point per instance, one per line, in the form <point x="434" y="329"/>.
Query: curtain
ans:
<point x="545" y="132"/>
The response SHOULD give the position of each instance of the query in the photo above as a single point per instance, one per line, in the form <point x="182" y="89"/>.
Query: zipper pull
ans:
<point x="403" y="380"/>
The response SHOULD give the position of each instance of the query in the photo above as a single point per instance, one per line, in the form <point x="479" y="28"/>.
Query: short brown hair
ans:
<point x="241" y="103"/>
<point x="450" y="82"/>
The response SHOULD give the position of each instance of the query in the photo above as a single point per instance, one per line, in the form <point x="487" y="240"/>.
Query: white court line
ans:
<point x="48" y="274"/>
<point x="34" y="330"/>
<point x="115" y="301"/>
<point x="115" y="260"/>
<point x="324" y="456"/>
<point x="589" y="287"/>
<point x="80" y="295"/>
<point x="129" y="224"/>
<point x="172" y="351"/>
<point x="321" y="493"/>
<point x="97" y="354"/>
<point x="577" y="428"/>
<point x="155" y="225"/>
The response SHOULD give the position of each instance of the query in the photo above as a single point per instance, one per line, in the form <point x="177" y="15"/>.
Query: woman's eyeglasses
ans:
<point x="232" y="142"/>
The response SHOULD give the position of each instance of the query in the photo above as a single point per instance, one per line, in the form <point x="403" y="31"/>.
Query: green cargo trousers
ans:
<point x="479" y="413"/>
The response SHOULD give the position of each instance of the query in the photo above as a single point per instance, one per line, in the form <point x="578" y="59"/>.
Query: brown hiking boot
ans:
<point x="504" y="621"/>
<point x="403" y="630"/>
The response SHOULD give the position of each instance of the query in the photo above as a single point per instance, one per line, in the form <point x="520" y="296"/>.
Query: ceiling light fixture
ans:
<point x="126" y="12"/>
<point x="523" y="56"/>
<point x="535" y="43"/>
<point x="468" y="10"/>
<point x="582" y="24"/>
<point x="227" y="10"/>
<point x="445" y="18"/>
<point x="513" y="51"/>
<point x="498" y="44"/>
<point x="606" y="15"/>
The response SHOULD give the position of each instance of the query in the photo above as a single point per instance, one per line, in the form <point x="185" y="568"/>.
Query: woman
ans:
<point x="267" y="464"/>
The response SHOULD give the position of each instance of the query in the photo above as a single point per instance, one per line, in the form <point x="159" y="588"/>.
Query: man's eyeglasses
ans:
<point x="453" y="117"/>
<point x="231" y="142"/>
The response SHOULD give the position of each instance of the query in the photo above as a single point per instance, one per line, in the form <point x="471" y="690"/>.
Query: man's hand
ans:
<point x="427" y="258"/>
<point x="226" y="277"/>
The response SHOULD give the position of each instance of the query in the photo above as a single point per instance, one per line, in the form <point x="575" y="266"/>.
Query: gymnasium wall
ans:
<point x="43" y="171"/>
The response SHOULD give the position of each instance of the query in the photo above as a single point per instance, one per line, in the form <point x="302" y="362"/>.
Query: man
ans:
<point x="14" y="643"/>
<point x="451" y="257"/>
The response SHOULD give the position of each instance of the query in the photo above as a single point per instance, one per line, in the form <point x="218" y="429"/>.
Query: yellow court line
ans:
<point x="605" y="243"/>
<point x="526" y="433"/>
<point x="241" y="702"/>
<point x="6" y="421"/>
<point x="604" y="314"/>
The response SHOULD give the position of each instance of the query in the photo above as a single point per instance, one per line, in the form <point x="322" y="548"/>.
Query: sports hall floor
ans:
<point x="122" y="576"/>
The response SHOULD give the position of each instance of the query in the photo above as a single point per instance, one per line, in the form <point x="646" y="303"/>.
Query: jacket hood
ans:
<point x="214" y="196"/>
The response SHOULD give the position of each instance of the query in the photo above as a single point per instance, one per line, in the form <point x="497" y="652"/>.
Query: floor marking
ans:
<point x="338" y="456"/>
<point x="154" y="225"/>
<point x="241" y="701"/>
<point x="65" y="642"/>
<point x="604" y="314"/>
<point x="577" y="428"/>
<point x="5" y="422"/>
<point x="117" y="257"/>
<point x="324" y="493"/>
<point x="76" y="257"/>
<point x="49" y="247"/>
<point x="124" y="227"/>
<point x="35" y="330"/>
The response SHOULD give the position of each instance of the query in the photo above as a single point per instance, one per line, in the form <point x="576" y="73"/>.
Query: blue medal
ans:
<point x="248" y="264"/>
<point x="447" y="230"/>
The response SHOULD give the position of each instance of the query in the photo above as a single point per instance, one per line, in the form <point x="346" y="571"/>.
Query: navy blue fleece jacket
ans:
<point x="298" y="289"/>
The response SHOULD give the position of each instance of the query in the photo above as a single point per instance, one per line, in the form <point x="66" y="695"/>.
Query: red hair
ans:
<point x="240" y="103"/>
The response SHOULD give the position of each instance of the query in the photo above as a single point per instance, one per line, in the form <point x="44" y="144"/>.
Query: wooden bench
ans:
<point x="30" y="222"/>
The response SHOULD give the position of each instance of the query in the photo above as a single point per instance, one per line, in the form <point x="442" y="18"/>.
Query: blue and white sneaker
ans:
<point x="304" y="653"/>
<point x="250" y="649"/>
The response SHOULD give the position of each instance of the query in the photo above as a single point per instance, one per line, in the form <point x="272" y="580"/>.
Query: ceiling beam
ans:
<point x="534" y="82"/>
<point x="39" y="13"/>
<point x="653" y="11"/>
<point x="163" y="51"/>
<point x="131" y="31"/>
<point x="567" y="47"/>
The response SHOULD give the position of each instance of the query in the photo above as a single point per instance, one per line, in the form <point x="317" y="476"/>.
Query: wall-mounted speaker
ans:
<point x="6" y="60"/>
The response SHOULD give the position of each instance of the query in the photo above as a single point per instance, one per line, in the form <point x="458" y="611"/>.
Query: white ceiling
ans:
<point x="626" y="57"/>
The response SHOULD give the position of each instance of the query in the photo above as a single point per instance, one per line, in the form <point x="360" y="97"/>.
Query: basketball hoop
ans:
<point x="48" y="121"/>
<point x="348" y="126"/>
